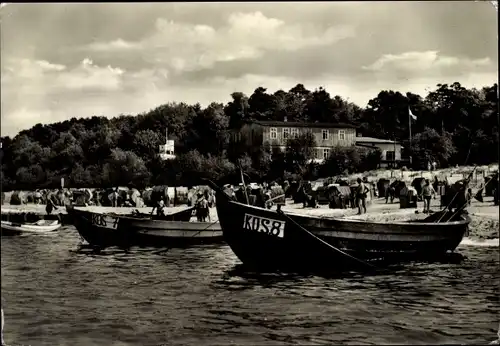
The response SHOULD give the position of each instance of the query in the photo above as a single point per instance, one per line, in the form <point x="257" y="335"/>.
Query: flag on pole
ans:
<point x="413" y="116"/>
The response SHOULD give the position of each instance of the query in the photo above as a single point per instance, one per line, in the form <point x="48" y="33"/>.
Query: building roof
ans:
<point x="372" y="140"/>
<point x="300" y="124"/>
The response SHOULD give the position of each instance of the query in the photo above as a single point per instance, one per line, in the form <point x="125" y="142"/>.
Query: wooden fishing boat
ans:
<point x="41" y="226"/>
<point x="272" y="239"/>
<point x="105" y="230"/>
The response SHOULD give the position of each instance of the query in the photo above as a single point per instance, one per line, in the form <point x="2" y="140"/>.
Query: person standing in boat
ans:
<point x="160" y="208"/>
<point x="210" y="198"/>
<point x="427" y="193"/>
<point x="361" y="194"/>
<point x="166" y="197"/>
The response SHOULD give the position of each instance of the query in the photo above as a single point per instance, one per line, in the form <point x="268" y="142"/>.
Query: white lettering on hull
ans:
<point x="259" y="224"/>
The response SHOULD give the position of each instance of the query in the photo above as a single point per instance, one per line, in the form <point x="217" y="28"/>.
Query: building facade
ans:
<point x="326" y="135"/>
<point x="391" y="150"/>
<point x="167" y="150"/>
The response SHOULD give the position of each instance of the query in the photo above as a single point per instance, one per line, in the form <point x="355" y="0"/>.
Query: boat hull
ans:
<point x="13" y="228"/>
<point x="104" y="230"/>
<point x="375" y="240"/>
<point x="30" y="217"/>
<point x="247" y="230"/>
<point x="282" y="246"/>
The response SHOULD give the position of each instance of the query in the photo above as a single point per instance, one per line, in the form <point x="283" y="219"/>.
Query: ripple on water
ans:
<point x="56" y="295"/>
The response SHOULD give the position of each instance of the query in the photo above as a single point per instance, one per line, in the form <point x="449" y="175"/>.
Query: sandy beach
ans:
<point x="484" y="216"/>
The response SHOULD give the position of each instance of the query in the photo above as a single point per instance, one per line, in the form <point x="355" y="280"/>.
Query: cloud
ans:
<point x="27" y="74"/>
<point x="425" y="63"/>
<point x="40" y="91"/>
<point x="90" y="76"/>
<point x="112" y="46"/>
<point x="186" y="47"/>
<point x="80" y="60"/>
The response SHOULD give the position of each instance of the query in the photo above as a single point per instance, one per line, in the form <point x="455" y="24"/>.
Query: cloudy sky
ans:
<point x="60" y="61"/>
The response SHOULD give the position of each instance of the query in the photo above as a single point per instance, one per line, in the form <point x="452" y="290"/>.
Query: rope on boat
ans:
<point x="211" y="224"/>
<point x="194" y="235"/>
<point x="324" y="242"/>
<point x="463" y="206"/>
<point x="277" y="197"/>
<point x="456" y="194"/>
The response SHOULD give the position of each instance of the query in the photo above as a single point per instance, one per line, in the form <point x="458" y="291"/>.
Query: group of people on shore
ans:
<point x="263" y="195"/>
<point x="459" y="192"/>
<point x="201" y="199"/>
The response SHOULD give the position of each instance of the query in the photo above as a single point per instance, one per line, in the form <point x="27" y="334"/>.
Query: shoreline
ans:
<point x="484" y="216"/>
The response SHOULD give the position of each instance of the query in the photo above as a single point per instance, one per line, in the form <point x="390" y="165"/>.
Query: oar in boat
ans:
<point x="333" y="248"/>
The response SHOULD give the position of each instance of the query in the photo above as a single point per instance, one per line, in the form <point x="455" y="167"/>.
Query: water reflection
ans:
<point x="60" y="293"/>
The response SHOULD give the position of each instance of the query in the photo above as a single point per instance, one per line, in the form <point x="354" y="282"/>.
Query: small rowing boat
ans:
<point x="41" y="226"/>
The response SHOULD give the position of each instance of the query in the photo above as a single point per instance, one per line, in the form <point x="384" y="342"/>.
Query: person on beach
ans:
<point x="468" y="196"/>
<point x="60" y="197"/>
<point x="113" y="197"/>
<point x="361" y="194"/>
<point x="427" y="193"/>
<point x="51" y="203"/>
<point x="202" y="210"/>
<point x="38" y="197"/>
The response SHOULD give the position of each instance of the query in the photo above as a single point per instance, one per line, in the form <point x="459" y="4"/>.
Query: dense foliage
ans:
<point x="454" y="125"/>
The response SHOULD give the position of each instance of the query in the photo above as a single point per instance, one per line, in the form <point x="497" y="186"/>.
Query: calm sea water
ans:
<point x="56" y="295"/>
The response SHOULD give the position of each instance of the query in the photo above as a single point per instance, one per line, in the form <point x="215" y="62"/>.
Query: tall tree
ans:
<point x="237" y="110"/>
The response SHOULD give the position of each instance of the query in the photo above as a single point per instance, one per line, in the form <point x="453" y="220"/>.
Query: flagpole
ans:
<point x="409" y="126"/>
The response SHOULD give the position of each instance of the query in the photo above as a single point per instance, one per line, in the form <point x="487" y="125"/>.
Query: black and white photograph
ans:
<point x="249" y="173"/>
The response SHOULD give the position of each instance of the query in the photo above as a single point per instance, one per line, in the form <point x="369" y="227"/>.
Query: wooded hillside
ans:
<point x="454" y="125"/>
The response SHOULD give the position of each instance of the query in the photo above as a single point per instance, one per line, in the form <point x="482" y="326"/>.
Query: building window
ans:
<point x="295" y="133"/>
<point x="274" y="133"/>
<point x="286" y="133"/>
<point x="326" y="134"/>
<point x="390" y="155"/>
<point x="341" y="135"/>
<point x="326" y="154"/>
